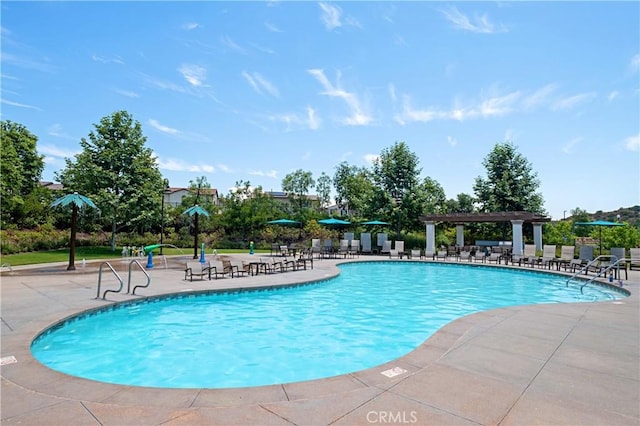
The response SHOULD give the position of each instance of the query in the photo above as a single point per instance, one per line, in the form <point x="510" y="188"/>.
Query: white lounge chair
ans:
<point x="365" y="239"/>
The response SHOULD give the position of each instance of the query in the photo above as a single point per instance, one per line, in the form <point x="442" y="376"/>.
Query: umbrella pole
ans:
<point x="72" y="242"/>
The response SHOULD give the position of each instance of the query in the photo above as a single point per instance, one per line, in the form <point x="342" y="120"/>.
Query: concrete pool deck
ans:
<point x="544" y="364"/>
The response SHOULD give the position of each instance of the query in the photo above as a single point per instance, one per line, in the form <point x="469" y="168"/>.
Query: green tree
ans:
<point x="20" y="172"/>
<point x="396" y="173"/>
<point x="354" y="190"/>
<point x="510" y="184"/>
<point x="247" y="210"/>
<point x="297" y="186"/>
<point x="323" y="189"/>
<point x="463" y="203"/>
<point x="119" y="173"/>
<point x="580" y="215"/>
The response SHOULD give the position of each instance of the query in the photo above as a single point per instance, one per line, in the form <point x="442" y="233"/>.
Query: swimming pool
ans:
<point x="372" y="313"/>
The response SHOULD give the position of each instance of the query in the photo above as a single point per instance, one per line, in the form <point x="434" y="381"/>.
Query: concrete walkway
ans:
<point x="570" y="364"/>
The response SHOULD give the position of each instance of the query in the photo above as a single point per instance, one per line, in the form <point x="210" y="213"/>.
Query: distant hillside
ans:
<point x="630" y="215"/>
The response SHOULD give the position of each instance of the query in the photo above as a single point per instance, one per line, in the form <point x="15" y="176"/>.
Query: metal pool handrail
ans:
<point x="129" y="278"/>
<point x="100" y="280"/>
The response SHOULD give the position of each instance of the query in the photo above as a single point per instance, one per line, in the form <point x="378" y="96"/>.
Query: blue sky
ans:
<point x="256" y="90"/>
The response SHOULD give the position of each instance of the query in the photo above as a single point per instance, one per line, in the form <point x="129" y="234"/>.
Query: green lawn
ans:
<point x="90" y="253"/>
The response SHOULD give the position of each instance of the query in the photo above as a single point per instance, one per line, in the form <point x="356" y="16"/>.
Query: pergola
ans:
<point x="517" y="218"/>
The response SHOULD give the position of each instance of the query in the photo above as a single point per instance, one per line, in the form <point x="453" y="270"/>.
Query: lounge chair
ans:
<point x="197" y="269"/>
<point x="284" y="251"/>
<point x="428" y="254"/>
<point x="386" y="247"/>
<point x="527" y="257"/>
<point x="398" y="250"/>
<point x="617" y="265"/>
<point x="316" y="247"/>
<point x="305" y="258"/>
<point x="634" y="258"/>
<point x="327" y="248"/>
<point x="272" y="266"/>
<point x="275" y="248"/>
<point x="465" y="255"/>
<point x="218" y="270"/>
<point x="381" y="238"/>
<point x="354" y="248"/>
<point x="416" y="254"/>
<point x="230" y="268"/>
<point x="567" y="253"/>
<point x="441" y="254"/>
<point x="493" y="256"/>
<point x="548" y="255"/>
<point x="365" y="239"/>
<point x="343" y="249"/>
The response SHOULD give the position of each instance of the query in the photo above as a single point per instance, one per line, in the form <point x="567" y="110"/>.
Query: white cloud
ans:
<point x="330" y="16"/>
<point x="228" y="42"/>
<point x="312" y="119"/>
<point x="567" y="148"/>
<point x="258" y="82"/>
<point x="270" y="173"/>
<point x="572" y="101"/>
<point x="127" y="93"/>
<point x="194" y="74"/>
<point x="56" y="152"/>
<point x="540" y="96"/>
<point x="57" y="131"/>
<point x="632" y="143"/>
<point x="164" y="129"/>
<point x="180" y="166"/>
<point x="370" y="158"/>
<point x="190" y="26"/>
<point x="19" y="105"/>
<point x="358" y="117"/>
<point x="614" y="94"/>
<point x="452" y="141"/>
<point x="479" y="24"/>
<point x="295" y="121"/>
<point x="105" y="60"/>
<point x="272" y="27"/>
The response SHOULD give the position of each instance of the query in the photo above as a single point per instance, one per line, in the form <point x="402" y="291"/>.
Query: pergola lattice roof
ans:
<point x="485" y="217"/>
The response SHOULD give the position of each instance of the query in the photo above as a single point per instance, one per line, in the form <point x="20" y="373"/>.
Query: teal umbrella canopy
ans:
<point x="375" y="222"/>
<point x="334" y="221"/>
<point x="283" y="222"/>
<point x="600" y="224"/>
<point x="196" y="210"/>
<point x="74" y="199"/>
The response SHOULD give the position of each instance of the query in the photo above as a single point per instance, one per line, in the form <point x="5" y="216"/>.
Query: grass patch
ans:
<point x="93" y="253"/>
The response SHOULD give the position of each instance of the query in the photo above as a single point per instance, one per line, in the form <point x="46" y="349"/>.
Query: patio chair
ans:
<point x="493" y="256"/>
<point x="398" y="249"/>
<point x="441" y="254"/>
<point x="343" y="249"/>
<point x="218" y="270"/>
<point x="567" y="253"/>
<point x="230" y="268"/>
<point x="634" y="258"/>
<point x="275" y="248"/>
<point x="465" y="255"/>
<point x="354" y="248"/>
<point x="416" y="254"/>
<point x="386" y="247"/>
<point x="284" y="251"/>
<point x="381" y="238"/>
<point x="197" y="269"/>
<point x="316" y="247"/>
<point x="365" y="239"/>
<point x="528" y="256"/>
<point x="548" y="255"/>
<point x="617" y="265"/>
<point x="428" y="254"/>
<point x="305" y="258"/>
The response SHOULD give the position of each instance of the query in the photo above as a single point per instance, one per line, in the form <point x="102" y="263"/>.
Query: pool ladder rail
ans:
<point x="613" y="264"/>
<point x="134" y="261"/>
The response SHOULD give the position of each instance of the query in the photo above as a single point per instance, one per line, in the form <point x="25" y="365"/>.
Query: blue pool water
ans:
<point x="372" y="313"/>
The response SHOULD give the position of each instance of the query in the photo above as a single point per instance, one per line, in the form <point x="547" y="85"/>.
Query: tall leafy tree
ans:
<point x="354" y="189"/>
<point x="118" y="173"/>
<point x="396" y="174"/>
<point x="323" y="189"/>
<point x="297" y="186"/>
<point x="510" y="184"/>
<point x="20" y="172"/>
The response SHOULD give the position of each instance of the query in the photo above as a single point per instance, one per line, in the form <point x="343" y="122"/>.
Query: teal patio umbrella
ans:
<point x="77" y="201"/>
<point x="375" y="222"/>
<point x="600" y="224"/>
<point x="283" y="222"/>
<point x="195" y="211"/>
<point x="334" y="221"/>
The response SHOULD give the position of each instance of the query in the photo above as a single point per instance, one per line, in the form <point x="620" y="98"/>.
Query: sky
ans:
<point x="253" y="91"/>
